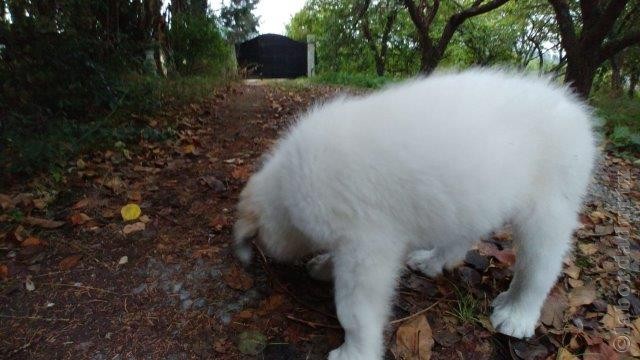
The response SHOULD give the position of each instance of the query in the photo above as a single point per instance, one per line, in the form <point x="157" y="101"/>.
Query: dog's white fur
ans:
<point x="428" y="167"/>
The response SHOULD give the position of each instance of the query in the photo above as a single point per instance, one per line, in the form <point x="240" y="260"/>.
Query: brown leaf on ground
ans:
<point x="588" y="249"/>
<point x="133" y="228"/>
<point x="31" y="241"/>
<point x="79" y="219"/>
<point x="414" y="340"/>
<point x="4" y="272"/>
<point x="582" y="296"/>
<point x="600" y="351"/>
<point x="241" y="173"/>
<point x="5" y="202"/>
<point x="571" y="270"/>
<point x="506" y="256"/>
<point x="43" y="223"/>
<point x="553" y="309"/>
<point x="565" y="354"/>
<point x="270" y="304"/>
<point x="81" y="204"/>
<point x="69" y="262"/>
<point x="238" y="279"/>
<point x="219" y="222"/>
<point x="40" y="203"/>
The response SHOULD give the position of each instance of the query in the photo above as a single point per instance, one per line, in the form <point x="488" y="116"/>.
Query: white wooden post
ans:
<point x="311" y="55"/>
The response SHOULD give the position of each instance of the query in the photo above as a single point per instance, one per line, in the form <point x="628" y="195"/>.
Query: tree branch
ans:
<point x="457" y="19"/>
<point x="602" y="28"/>
<point x="565" y="24"/>
<point x="612" y="47"/>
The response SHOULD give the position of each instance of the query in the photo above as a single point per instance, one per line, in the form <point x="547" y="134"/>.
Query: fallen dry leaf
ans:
<point x="40" y="203"/>
<point x="81" y="204"/>
<point x="553" y="309"/>
<point x="582" y="296"/>
<point x="600" y="351"/>
<point x="565" y="354"/>
<point x="5" y="202"/>
<point x="506" y="256"/>
<point x="241" y="173"/>
<point x="588" y="249"/>
<point x="4" y="272"/>
<point x="572" y="270"/>
<point x="43" y="223"/>
<point x="219" y="222"/>
<point x="69" y="262"/>
<point x="414" y="340"/>
<point x="238" y="279"/>
<point x="31" y="241"/>
<point x="133" y="228"/>
<point x="271" y="303"/>
<point x="79" y="219"/>
<point x="28" y="284"/>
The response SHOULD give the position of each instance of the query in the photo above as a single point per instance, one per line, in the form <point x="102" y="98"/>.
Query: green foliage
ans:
<point x="238" y="20"/>
<point x="197" y="45"/>
<point x="622" y="120"/>
<point x="369" y="81"/>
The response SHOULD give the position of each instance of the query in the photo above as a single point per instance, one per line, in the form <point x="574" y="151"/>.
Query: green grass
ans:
<point x="467" y="308"/>
<point x="368" y="81"/>
<point x="621" y="118"/>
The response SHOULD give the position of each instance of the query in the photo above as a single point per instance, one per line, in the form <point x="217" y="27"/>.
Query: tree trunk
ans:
<point x="616" y="76"/>
<point x="429" y="59"/>
<point x="580" y="76"/>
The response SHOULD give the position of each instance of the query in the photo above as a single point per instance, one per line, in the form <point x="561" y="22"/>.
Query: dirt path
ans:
<point x="170" y="288"/>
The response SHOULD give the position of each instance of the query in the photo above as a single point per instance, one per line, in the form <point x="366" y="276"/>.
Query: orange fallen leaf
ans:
<point x="582" y="296"/>
<point x="271" y="303"/>
<point x="43" y="223"/>
<point x="238" y="279"/>
<point x="69" y="262"/>
<point x="414" y="340"/>
<point x="506" y="256"/>
<point x="4" y="272"/>
<point x="219" y="222"/>
<point x="31" y="241"/>
<point x="241" y="173"/>
<point x="79" y="219"/>
<point x="40" y="203"/>
<point x="81" y="204"/>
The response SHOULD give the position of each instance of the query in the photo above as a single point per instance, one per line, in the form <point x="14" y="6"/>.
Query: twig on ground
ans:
<point x="313" y="324"/>
<point x="397" y="321"/>
<point x="85" y="288"/>
<point x="33" y="318"/>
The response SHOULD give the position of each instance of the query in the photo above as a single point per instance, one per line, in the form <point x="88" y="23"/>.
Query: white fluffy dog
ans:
<point x="418" y="172"/>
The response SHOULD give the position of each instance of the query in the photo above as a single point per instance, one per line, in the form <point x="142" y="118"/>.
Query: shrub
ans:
<point x="197" y="46"/>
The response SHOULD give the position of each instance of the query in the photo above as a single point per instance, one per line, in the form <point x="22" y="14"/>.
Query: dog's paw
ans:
<point x="347" y="353"/>
<point x="321" y="267"/>
<point x="511" y="318"/>
<point x="423" y="261"/>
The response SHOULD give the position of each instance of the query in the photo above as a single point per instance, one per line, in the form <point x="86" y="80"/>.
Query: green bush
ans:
<point x="197" y="46"/>
<point x="621" y="117"/>
<point x="369" y="81"/>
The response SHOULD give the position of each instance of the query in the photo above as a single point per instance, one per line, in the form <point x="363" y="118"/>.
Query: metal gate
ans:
<point x="273" y="56"/>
